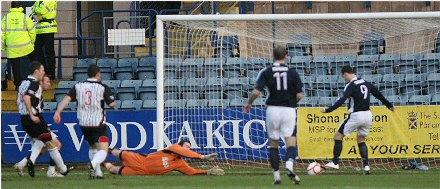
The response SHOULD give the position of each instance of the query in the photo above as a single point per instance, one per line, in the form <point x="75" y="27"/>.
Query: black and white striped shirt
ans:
<point x="91" y="96"/>
<point x="30" y="86"/>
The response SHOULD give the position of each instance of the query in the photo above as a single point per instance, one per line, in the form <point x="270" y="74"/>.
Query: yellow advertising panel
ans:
<point x="409" y="132"/>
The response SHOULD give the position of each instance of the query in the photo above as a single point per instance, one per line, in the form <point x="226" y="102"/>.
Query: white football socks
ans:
<point x="56" y="156"/>
<point x="35" y="150"/>
<point x="23" y="162"/>
<point x="289" y="165"/>
<point x="276" y="175"/>
<point x="99" y="157"/>
<point x="92" y="153"/>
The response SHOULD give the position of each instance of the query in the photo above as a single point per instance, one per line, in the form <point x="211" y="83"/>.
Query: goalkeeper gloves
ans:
<point x="210" y="157"/>
<point x="216" y="171"/>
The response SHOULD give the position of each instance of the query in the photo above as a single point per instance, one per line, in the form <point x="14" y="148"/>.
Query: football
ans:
<point x="314" y="169"/>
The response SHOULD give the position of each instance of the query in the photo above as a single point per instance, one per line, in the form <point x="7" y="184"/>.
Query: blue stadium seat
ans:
<point x="218" y="103"/>
<point x="194" y="85"/>
<point x="387" y="62"/>
<point x="433" y="79"/>
<point x="435" y="99"/>
<point x="213" y="95"/>
<point x="234" y="67"/>
<point x="397" y="100"/>
<point x="175" y="104"/>
<point x="149" y="104"/>
<point x="430" y="63"/>
<point x="230" y="94"/>
<point x="301" y="61"/>
<point x="113" y="84"/>
<point x="117" y="105"/>
<point x="327" y="101"/>
<point x="367" y="59"/>
<point x="252" y="73"/>
<point x="128" y="89"/>
<point x="325" y="81"/>
<point x="191" y="95"/>
<point x="147" y="62"/>
<point x="435" y="89"/>
<point x="322" y="61"/>
<point x="191" y="67"/>
<point x="84" y="63"/>
<point x="409" y="64"/>
<point x="392" y="80"/>
<point x="259" y="102"/>
<point x="257" y="63"/>
<point x="66" y="84"/>
<point x="216" y="81"/>
<point x="343" y="60"/>
<point x="237" y="102"/>
<point x="148" y="90"/>
<point x="63" y="88"/>
<point x="364" y="69"/>
<point x="369" y="51"/>
<point x="107" y="67"/>
<point x="131" y="105"/>
<point x="415" y="77"/>
<point x="50" y="106"/>
<point x="172" y="67"/>
<point x="319" y="71"/>
<point x="212" y="65"/>
<point x="173" y="85"/>
<point x="80" y="70"/>
<point x="237" y="81"/>
<point x="309" y="101"/>
<point x="146" y="73"/>
<point x="375" y="79"/>
<point x="412" y="88"/>
<point x="196" y="103"/>
<point x="420" y="100"/>
<point x="371" y="43"/>
<point x="125" y="70"/>
<point x="59" y="97"/>
<point x="71" y="106"/>
<point x="388" y="91"/>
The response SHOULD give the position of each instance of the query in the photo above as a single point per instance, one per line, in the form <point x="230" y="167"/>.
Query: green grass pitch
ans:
<point x="234" y="178"/>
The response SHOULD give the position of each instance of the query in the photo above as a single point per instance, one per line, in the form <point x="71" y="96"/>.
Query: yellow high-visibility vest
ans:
<point x="47" y="11"/>
<point x="18" y="33"/>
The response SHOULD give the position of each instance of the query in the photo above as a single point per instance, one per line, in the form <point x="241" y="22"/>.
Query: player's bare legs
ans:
<point x="290" y="156"/>
<point x="337" y="149"/>
<point x="363" y="149"/>
<point x="109" y="166"/>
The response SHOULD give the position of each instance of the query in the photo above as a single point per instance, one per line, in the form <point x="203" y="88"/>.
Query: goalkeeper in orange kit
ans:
<point x="162" y="162"/>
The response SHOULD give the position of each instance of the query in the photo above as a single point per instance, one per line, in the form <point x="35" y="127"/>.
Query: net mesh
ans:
<point x="211" y="68"/>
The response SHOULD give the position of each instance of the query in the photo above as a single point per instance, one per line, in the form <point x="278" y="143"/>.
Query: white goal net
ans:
<point x="208" y="64"/>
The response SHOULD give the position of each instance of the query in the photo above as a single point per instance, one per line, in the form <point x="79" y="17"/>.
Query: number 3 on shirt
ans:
<point x="364" y="90"/>
<point x="281" y="76"/>
<point x="89" y="98"/>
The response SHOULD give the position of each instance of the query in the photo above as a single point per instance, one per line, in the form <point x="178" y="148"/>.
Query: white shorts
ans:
<point x="280" y="122"/>
<point x="357" y="121"/>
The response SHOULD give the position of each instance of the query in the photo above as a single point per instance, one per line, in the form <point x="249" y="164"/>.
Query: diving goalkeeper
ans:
<point x="162" y="162"/>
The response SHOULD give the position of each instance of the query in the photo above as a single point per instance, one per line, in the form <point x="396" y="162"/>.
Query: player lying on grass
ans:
<point x="162" y="162"/>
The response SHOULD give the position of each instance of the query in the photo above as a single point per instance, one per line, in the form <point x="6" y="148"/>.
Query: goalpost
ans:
<point x="207" y="66"/>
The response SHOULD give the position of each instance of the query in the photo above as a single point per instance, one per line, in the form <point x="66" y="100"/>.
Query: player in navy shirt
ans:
<point x="285" y="91"/>
<point x="360" y="119"/>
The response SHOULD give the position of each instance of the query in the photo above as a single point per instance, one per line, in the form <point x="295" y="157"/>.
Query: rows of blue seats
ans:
<point x="240" y="102"/>
<point x="144" y="68"/>
<point x="210" y="88"/>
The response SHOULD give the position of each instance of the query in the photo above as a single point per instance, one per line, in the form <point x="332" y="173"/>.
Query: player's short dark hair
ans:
<point x="16" y="4"/>
<point x="348" y="69"/>
<point x="183" y="141"/>
<point x="35" y="65"/>
<point x="279" y="52"/>
<point x="93" y="70"/>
